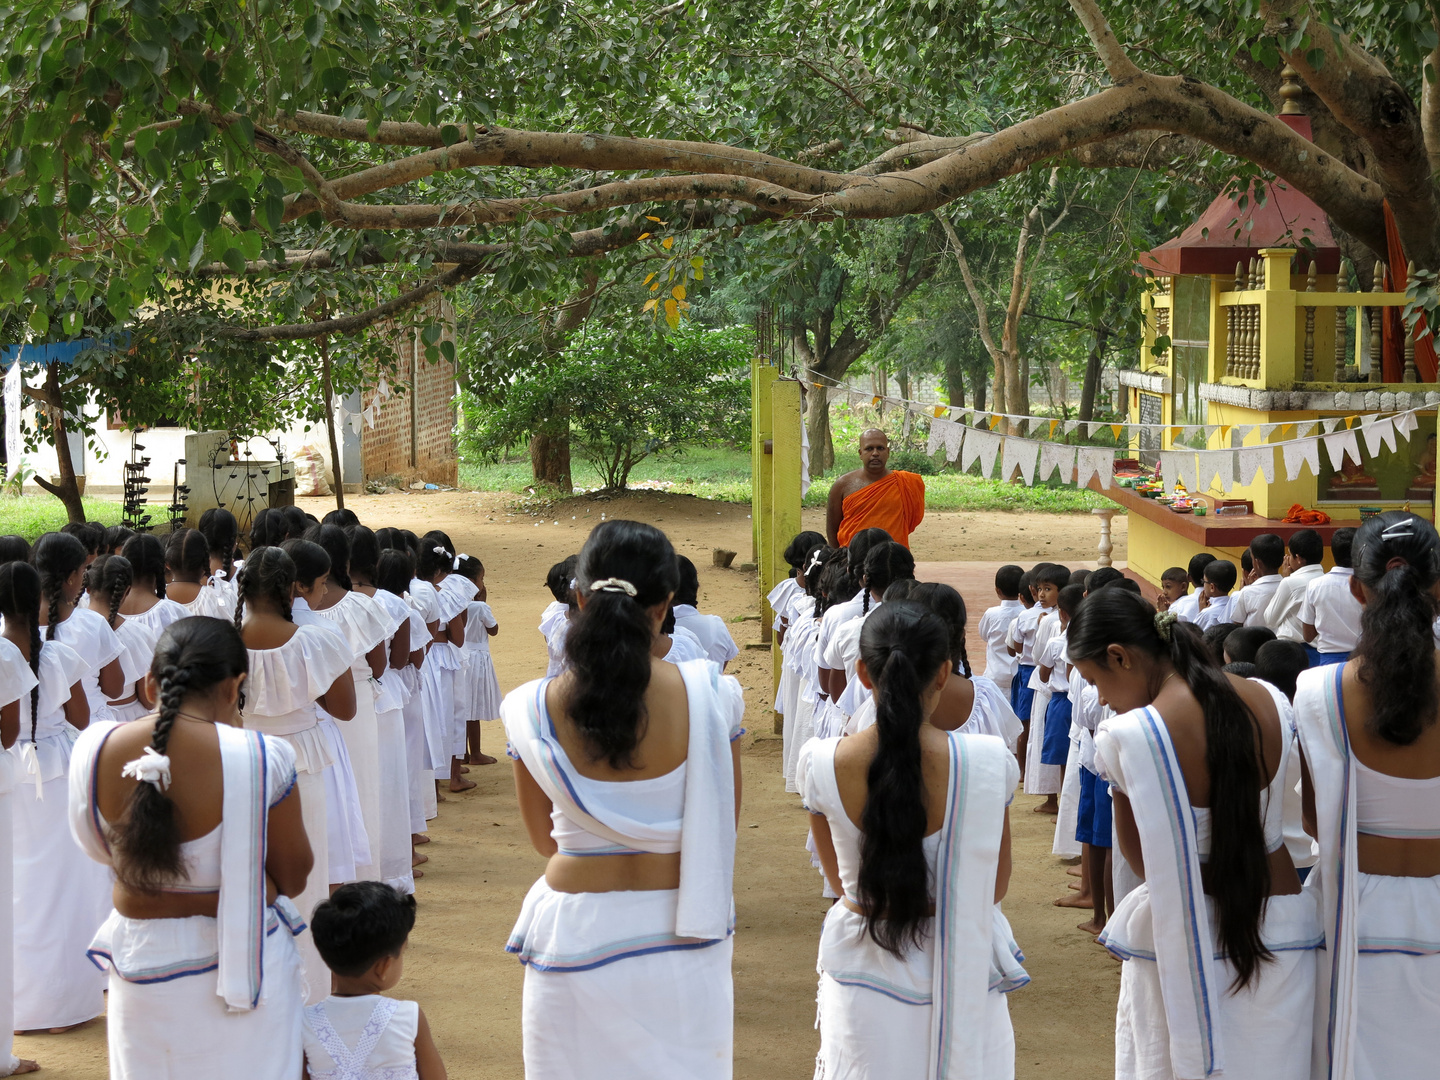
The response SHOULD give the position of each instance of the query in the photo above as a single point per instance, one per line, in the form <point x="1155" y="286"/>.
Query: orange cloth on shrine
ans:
<point x="895" y="504"/>
<point x="1298" y="515"/>
<point x="1393" y="324"/>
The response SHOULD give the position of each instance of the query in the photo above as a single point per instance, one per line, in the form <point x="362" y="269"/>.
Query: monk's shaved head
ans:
<point x="873" y="433"/>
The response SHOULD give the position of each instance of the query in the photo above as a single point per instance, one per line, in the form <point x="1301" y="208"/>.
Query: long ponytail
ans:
<point x="1234" y="757"/>
<point x="1397" y="557"/>
<point x="56" y="557"/>
<point x="625" y="568"/>
<point x="903" y="644"/>
<point x="192" y="655"/>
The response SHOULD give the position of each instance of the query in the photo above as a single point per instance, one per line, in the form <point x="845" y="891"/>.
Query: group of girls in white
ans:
<point x="121" y="654"/>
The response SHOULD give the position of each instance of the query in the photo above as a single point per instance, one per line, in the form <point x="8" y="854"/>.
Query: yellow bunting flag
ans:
<point x="1174" y="433"/>
<point x="1053" y="425"/>
<point x="875" y="400"/>
<point x="1350" y="421"/>
<point x="994" y="421"/>
<point x="1115" y="429"/>
<point x="1286" y="429"/>
<point x="939" y="411"/>
<point x="1224" y="432"/>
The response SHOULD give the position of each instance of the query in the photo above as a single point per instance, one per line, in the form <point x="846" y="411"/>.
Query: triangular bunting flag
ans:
<point x="1378" y="432"/>
<point x="954" y="437"/>
<point x="1255" y="459"/>
<point x="1301" y="452"/>
<point x="988" y="449"/>
<point x="1266" y="430"/>
<point x="1019" y="454"/>
<point x="369" y="415"/>
<point x="1329" y="424"/>
<point x="1340" y="445"/>
<point x="1243" y="431"/>
<point x="939" y="410"/>
<point x="1098" y="462"/>
<point x="1115" y="429"/>
<point x="1057" y="456"/>
<point x="937" y="437"/>
<point x="1053" y="425"/>
<point x="1405" y="423"/>
<point x="1071" y="425"/>
<point x="1216" y="467"/>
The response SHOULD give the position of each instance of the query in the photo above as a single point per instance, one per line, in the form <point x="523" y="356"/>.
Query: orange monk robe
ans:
<point x="895" y="504"/>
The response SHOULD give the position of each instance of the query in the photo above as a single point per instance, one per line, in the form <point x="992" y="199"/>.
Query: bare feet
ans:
<point x="25" y="1066"/>
<point x="458" y="785"/>
<point x="439" y="797"/>
<point x="1051" y="805"/>
<point x="48" y="1031"/>
<point x="463" y="768"/>
<point x="417" y="874"/>
<point x="418" y="838"/>
<point x="1091" y="927"/>
<point x="1076" y="901"/>
<point x="481" y="759"/>
<point x="1074" y="871"/>
<point x="1074" y="885"/>
<point x="417" y="859"/>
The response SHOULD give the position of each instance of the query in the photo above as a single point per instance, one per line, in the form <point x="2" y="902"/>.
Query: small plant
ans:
<point x="12" y="480"/>
<point x="915" y="461"/>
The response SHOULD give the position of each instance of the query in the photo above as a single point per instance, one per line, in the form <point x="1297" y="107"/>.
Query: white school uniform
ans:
<point x="391" y="700"/>
<point x="437" y="676"/>
<point x="1040" y="779"/>
<point x="89" y="634"/>
<point x="990" y="714"/>
<point x="280" y="699"/>
<point x="210" y="603"/>
<point x="162" y="614"/>
<point x="1250" y="604"/>
<point x="139" y="640"/>
<point x="554" y="626"/>
<point x="1332" y="609"/>
<point x="16" y="681"/>
<point x="994" y="628"/>
<point x="684" y="646"/>
<point x="1215" y="613"/>
<point x="1283" y="614"/>
<point x="483" y="701"/>
<point x="710" y="629"/>
<point x="367" y="1037"/>
<point x="1187" y="608"/>
<point x="60" y="896"/>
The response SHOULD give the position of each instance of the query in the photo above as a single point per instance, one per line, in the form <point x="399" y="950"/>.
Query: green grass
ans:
<point x="31" y="515"/>
<point x="723" y="474"/>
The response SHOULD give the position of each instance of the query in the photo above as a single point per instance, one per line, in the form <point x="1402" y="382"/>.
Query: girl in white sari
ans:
<point x="628" y="777"/>
<point x="1219" y="941"/>
<point x="295" y="671"/>
<point x="203" y="827"/>
<point x="58" y="893"/>
<point x="1372" y="798"/>
<point x="912" y="826"/>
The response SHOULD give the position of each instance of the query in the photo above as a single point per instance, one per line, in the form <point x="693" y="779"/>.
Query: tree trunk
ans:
<point x="1093" y="364"/>
<point x="980" y="393"/>
<point x="822" y="446"/>
<point x="955" y="383"/>
<point x="327" y="388"/>
<point x="68" y="490"/>
<point x="550" y="455"/>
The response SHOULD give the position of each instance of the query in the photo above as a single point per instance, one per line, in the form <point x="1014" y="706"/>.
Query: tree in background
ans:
<point x="629" y="391"/>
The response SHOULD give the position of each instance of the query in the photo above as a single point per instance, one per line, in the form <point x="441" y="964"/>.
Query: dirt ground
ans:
<point x="481" y="865"/>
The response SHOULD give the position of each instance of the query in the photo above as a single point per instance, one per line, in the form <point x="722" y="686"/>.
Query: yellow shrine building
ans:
<point x="1252" y="319"/>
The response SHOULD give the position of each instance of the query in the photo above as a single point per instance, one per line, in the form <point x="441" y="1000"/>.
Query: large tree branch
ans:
<point x="1112" y="55"/>
<point x="982" y="311"/>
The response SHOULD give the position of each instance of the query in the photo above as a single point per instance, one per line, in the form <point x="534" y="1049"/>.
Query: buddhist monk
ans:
<point x="875" y="496"/>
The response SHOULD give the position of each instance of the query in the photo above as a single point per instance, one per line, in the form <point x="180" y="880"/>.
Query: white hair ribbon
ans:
<point x="440" y="551"/>
<point x="151" y="767"/>
<point x="613" y="584"/>
<point x="458" y="559"/>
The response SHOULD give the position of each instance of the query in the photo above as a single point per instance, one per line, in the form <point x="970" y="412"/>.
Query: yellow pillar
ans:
<point x="762" y="376"/>
<point x="784" y="499"/>
<point x="1277" y="320"/>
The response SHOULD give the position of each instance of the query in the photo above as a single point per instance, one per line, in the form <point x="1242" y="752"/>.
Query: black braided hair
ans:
<point x="14" y="549"/>
<point x="886" y="562"/>
<point x="221" y="530"/>
<point x="20" y="604"/>
<point x="56" y="557"/>
<point x="428" y="561"/>
<point x="192" y="656"/>
<point x="364" y="552"/>
<point x="268" y="572"/>
<point x="115" y="537"/>
<point x="337" y="545"/>
<point x="946" y="602"/>
<point x="147" y="559"/>
<point x="188" y="552"/>
<point x="110" y="576"/>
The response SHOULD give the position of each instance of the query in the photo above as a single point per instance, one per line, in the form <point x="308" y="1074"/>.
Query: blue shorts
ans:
<point x="1093" y="818"/>
<point x="1021" y="696"/>
<point x="1320" y="659"/>
<point x="1056" y="747"/>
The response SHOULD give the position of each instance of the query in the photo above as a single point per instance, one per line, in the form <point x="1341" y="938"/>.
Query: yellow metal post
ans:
<point x="762" y="471"/>
<point x="784" y="501"/>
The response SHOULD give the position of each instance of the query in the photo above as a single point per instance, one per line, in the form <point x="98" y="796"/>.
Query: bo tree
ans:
<point x="152" y="147"/>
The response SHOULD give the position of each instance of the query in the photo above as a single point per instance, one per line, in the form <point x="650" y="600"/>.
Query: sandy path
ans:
<point x="481" y="865"/>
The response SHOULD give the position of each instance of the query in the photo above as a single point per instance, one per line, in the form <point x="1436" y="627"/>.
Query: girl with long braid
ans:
<point x="444" y="612"/>
<point x="912" y="826"/>
<point x="107" y="582"/>
<point x="620" y="763"/>
<point x="58" y="893"/>
<point x="203" y="827"/>
<point x="367" y="627"/>
<point x="146" y="602"/>
<point x="61" y="560"/>
<point x="1371" y="790"/>
<point x="885" y="564"/>
<point x="17" y="684"/>
<point x="294" y="671"/>
<point x="1218" y="942"/>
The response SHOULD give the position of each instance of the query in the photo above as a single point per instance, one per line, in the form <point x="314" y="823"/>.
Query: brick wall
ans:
<point x="414" y="433"/>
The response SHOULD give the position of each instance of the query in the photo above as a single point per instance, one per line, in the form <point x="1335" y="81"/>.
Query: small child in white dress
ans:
<point x="355" y="1034"/>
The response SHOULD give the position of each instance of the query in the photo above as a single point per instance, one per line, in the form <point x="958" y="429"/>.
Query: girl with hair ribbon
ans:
<point x="628" y="777"/>
<point x="203" y="827"/>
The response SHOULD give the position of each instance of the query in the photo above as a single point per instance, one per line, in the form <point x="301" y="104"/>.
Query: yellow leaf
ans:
<point x="684" y="305"/>
<point x="699" y="275"/>
<point x="672" y="314"/>
<point x="654" y="286"/>
<point x="649" y="305"/>
<point x="668" y="243"/>
<point x="651" y="217"/>
<point x="648" y="278"/>
<point x="642" y="236"/>
<point x="678" y="292"/>
<point x="697" y="263"/>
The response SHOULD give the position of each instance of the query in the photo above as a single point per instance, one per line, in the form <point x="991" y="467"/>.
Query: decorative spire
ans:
<point x="1290" y="92"/>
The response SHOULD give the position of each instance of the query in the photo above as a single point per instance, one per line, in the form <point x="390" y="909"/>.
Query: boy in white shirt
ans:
<point x="1330" y="614"/>
<point x="1301" y="567"/>
<point x="1187" y="606"/>
<point x="720" y="647"/>
<point x="1219" y="580"/>
<point x="1267" y="552"/>
<point x="1000" y="663"/>
<point x="1054" y="670"/>
<point x="1047" y="580"/>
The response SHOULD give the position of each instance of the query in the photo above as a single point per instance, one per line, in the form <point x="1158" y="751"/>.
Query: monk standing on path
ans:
<point x="873" y="496"/>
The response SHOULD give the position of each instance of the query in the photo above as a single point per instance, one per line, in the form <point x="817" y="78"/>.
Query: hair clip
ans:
<point x="1392" y="532"/>
<point x="613" y="584"/>
<point x="1164" y="625"/>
